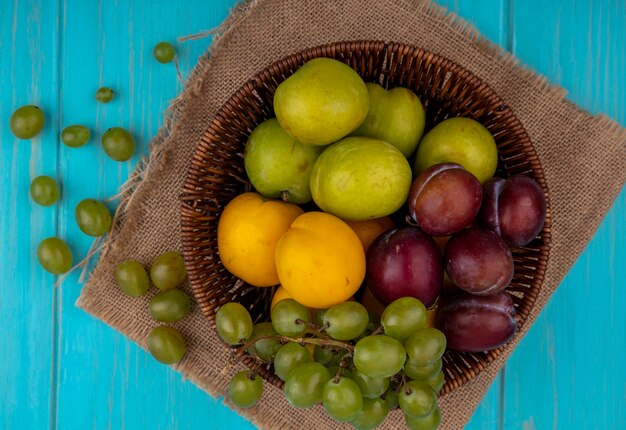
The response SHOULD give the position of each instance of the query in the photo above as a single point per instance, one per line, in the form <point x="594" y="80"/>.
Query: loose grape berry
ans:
<point x="436" y="381"/>
<point x="166" y="344"/>
<point x="118" y="144"/>
<point x="425" y="346"/>
<point x="132" y="278"/>
<point x="414" y="371"/>
<point x="54" y="255"/>
<point x="370" y="387"/>
<point x="245" y="389"/>
<point x="305" y="384"/>
<point x="265" y="349"/>
<point x="75" y="136"/>
<point x="26" y="122"/>
<point x="93" y="217"/>
<point x="104" y="94"/>
<point x="403" y="317"/>
<point x="168" y="270"/>
<point x="169" y="305"/>
<point x="379" y="356"/>
<point x="44" y="191"/>
<point x="233" y="323"/>
<point x="342" y="399"/>
<point x="371" y="415"/>
<point x="164" y="52"/>
<point x="346" y="321"/>
<point x="429" y="422"/>
<point x="290" y="318"/>
<point x="288" y="357"/>
<point x="417" y="399"/>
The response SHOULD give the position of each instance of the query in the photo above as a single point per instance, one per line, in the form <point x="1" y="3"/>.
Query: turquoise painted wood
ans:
<point x="64" y="370"/>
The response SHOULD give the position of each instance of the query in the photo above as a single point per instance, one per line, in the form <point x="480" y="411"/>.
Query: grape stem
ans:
<point x="301" y="340"/>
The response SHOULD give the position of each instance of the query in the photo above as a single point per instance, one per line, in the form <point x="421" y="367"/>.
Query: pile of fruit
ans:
<point x="370" y="252"/>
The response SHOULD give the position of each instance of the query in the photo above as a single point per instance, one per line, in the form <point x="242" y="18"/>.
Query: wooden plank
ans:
<point x="491" y="18"/>
<point x="28" y="75"/>
<point x="105" y="381"/>
<point x="568" y="372"/>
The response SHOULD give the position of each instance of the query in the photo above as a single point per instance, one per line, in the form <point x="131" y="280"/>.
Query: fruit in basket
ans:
<point x="370" y="387"/>
<point x="403" y="317"/>
<point x="247" y="233"/>
<point x="404" y="262"/>
<point x="168" y="270"/>
<point x="444" y="199"/>
<point x="346" y="321"/>
<point x="265" y="349"/>
<point x="478" y="261"/>
<point x="477" y="323"/>
<point x="379" y="356"/>
<point x="427" y="371"/>
<point x="360" y="178"/>
<point x="425" y="346"/>
<point x="245" y="389"/>
<point x="323" y="101"/>
<point x="462" y="141"/>
<point x="54" y="255"/>
<point x="320" y="260"/>
<point x="277" y="165"/>
<point x="305" y="384"/>
<point x="514" y="208"/>
<point x="368" y="230"/>
<point x="288" y="357"/>
<point x="290" y="318"/>
<point x="342" y="398"/>
<point x="395" y="116"/>
<point x="417" y="399"/>
<point x="371" y="415"/>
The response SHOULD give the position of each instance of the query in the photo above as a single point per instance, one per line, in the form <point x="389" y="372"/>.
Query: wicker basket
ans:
<point x="217" y="175"/>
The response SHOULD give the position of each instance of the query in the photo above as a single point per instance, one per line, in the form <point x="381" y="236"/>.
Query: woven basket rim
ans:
<point x="189" y="193"/>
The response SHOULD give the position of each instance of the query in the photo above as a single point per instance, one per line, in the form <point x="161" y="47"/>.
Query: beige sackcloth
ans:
<point x="584" y="158"/>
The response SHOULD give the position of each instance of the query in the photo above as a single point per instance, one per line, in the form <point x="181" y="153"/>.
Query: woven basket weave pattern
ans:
<point x="217" y="175"/>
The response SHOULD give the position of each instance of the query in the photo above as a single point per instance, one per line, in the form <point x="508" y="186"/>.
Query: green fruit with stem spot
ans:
<point x="395" y="116"/>
<point x="245" y="389"/>
<point x="26" y="122"/>
<point x="342" y="399"/>
<point x="104" y="94"/>
<point x="233" y="323"/>
<point x="290" y="318"/>
<point x="417" y="399"/>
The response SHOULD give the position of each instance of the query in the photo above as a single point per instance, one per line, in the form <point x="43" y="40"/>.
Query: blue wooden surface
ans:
<point x="62" y="369"/>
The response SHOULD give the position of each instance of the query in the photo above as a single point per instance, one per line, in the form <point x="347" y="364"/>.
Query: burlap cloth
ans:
<point x="584" y="158"/>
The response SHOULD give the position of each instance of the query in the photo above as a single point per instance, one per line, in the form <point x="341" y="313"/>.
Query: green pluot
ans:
<point x="277" y="165"/>
<point x="395" y="116"/>
<point x="361" y="178"/>
<point x="321" y="102"/>
<point x="462" y="141"/>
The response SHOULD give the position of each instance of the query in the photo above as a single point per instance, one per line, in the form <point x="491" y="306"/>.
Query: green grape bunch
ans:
<point x="357" y="364"/>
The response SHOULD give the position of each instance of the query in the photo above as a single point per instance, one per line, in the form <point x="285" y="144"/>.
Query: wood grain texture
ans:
<point x="63" y="369"/>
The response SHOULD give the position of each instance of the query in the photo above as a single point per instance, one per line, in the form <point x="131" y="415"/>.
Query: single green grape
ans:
<point x="26" y="122"/>
<point x="346" y="320"/>
<point x="371" y="415"/>
<point x="290" y="318"/>
<point x="233" y="323"/>
<point x="44" y="191"/>
<point x="425" y="346"/>
<point x="403" y="317"/>
<point x="132" y="278"/>
<point x="169" y="305"/>
<point x="93" y="217"/>
<point x="422" y="372"/>
<point x="305" y="384"/>
<point x="323" y="355"/>
<point x="370" y="387"/>
<point x="379" y="356"/>
<point x="118" y="144"/>
<point x="391" y="399"/>
<point x="168" y="270"/>
<point x="245" y="389"/>
<point x="288" y="357"/>
<point x="429" y="422"/>
<point x="75" y="136"/>
<point x="166" y="344"/>
<point x="265" y="349"/>
<point x="104" y="94"/>
<point x="54" y="255"/>
<point x="342" y="399"/>
<point x="436" y="381"/>
<point x="164" y="52"/>
<point x="417" y="399"/>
